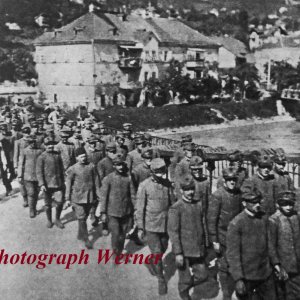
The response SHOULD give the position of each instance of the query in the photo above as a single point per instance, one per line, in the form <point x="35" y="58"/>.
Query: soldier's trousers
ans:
<point x="186" y="279"/>
<point x="119" y="227"/>
<point x="158" y="244"/>
<point x="226" y="280"/>
<point x="82" y="213"/>
<point x="32" y="192"/>
<point x="290" y="289"/>
<point x="6" y="181"/>
<point x="259" y="289"/>
<point x="23" y="191"/>
<point x="58" y="195"/>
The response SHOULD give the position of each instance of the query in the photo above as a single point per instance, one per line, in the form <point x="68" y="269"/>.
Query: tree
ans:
<point x="284" y="74"/>
<point x="245" y="72"/>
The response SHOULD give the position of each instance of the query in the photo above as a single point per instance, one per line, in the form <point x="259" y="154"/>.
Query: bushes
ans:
<point x="172" y="116"/>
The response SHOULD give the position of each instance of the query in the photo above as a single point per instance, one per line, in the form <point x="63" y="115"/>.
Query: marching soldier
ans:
<point x="66" y="150"/>
<point x="154" y="198"/>
<point x="284" y="246"/>
<point x="225" y="204"/>
<point x="117" y="203"/>
<point x="179" y="154"/>
<point x="94" y="155"/>
<point x="236" y="160"/>
<point x="50" y="173"/>
<point x="183" y="167"/>
<point x="136" y="154"/>
<point x="76" y="139"/>
<point x="282" y="180"/>
<point x="128" y="134"/>
<point x="20" y="145"/>
<point x="187" y="235"/>
<point x="105" y="166"/>
<point x="142" y="171"/>
<point x="247" y="250"/>
<point x="263" y="181"/>
<point x="27" y="173"/>
<point x="86" y="132"/>
<point x="82" y="191"/>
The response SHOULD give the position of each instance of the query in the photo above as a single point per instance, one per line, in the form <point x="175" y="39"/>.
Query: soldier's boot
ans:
<point x="227" y="285"/>
<point x="83" y="234"/>
<point x="57" y="221"/>
<point x="48" y="210"/>
<point x="25" y="203"/>
<point x="185" y="295"/>
<point x="94" y="219"/>
<point x="105" y="229"/>
<point x="32" y="207"/>
<point x="162" y="284"/>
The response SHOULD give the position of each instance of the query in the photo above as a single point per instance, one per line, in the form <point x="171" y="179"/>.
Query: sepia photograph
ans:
<point x="149" y="150"/>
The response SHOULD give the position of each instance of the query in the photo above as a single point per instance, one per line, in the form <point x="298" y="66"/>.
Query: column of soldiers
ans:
<point x="250" y="222"/>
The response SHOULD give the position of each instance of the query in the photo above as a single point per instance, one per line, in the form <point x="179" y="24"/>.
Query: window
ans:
<point x="165" y="55"/>
<point x="153" y="75"/>
<point x="198" y="56"/>
<point x="154" y="54"/>
<point x="146" y="76"/>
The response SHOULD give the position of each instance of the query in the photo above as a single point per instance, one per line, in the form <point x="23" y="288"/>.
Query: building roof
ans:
<point x="111" y="28"/>
<point x="238" y="48"/>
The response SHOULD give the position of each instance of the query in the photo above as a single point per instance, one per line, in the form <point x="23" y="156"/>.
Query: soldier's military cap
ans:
<point x="31" y="117"/>
<point x="235" y="156"/>
<point x="230" y="173"/>
<point x="139" y="140"/>
<point x="280" y="158"/>
<point x="30" y="138"/>
<point x="189" y="147"/>
<point x="186" y="139"/>
<point x="25" y="129"/>
<point x="120" y="135"/>
<point x="127" y="125"/>
<point x="16" y="122"/>
<point x="187" y="183"/>
<point x="147" y="136"/>
<point x="79" y="151"/>
<point x="65" y="132"/>
<point x="50" y="130"/>
<point x="60" y="121"/>
<point x="252" y="196"/>
<point x="196" y="162"/>
<point x="286" y="198"/>
<point x="147" y="153"/>
<point x="118" y="159"/>
<point x="49" y="141"/>
<point x="33" y="124"/>
<point x="157" y="164"/>
<point x="70" y="122"/>
<point x="265" y="162"/>
<point x="111" y="146"/>
<point x="92" y="140"/>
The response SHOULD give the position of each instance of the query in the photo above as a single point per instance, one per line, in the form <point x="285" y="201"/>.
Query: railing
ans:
<point x="216" y="158"/>
<point x="290" y="94"/>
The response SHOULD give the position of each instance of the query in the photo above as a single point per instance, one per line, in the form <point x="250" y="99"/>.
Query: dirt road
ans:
<point x="19" y="233"/>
